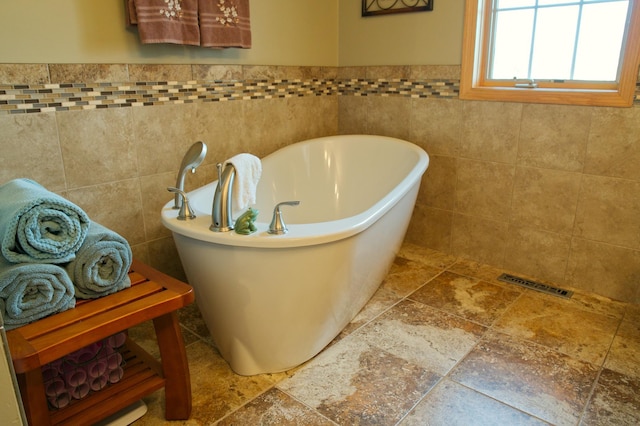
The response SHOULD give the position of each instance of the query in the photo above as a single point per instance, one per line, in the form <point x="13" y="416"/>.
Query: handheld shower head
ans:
<point x="192" y="159"/>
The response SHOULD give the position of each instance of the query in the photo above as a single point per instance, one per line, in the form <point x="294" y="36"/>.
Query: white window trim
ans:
<point x="473" y="87"/>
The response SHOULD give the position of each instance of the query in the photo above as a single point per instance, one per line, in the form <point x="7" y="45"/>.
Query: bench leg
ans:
<point x="33" y="397"/>
<point x="174" y="367"/>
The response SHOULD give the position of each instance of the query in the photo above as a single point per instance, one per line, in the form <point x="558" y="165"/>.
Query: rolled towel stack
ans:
<point x="38" y="226"/>
<point x="101" y="266"/>
<point x="52" y="254"/>
<point x="30" y="291"/>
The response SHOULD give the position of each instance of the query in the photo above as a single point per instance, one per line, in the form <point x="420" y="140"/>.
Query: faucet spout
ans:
<point x="221" y="209"/>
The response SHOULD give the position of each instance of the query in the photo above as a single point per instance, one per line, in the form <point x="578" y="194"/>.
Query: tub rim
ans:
<point x="299" y="235"/>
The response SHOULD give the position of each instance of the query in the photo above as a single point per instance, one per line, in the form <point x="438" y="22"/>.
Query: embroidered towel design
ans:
<point x="165" y="21"/>
<point x="206" y="23"/>
<point x="225" y="23"/>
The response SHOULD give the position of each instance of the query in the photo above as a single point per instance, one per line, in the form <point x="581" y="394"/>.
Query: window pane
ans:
<point x="506" y="4"/>
<point x="511" y="44"/>
<point x="554" y="43"/>
<point x="556" y="2"/>
<point x="600" y="41"/>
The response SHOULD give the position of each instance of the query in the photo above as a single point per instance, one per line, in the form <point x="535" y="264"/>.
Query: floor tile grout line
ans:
<point x="600" y="370"/>
<point x="487" y="329"/>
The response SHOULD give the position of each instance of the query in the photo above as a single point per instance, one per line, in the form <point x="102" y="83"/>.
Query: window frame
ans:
<point x="473" y="86"/>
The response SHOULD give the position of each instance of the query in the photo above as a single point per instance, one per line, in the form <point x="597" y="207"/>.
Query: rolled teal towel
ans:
<point x="31" y="291"/>
<point x="38" y="226"/>
<point x="101" y="266"/>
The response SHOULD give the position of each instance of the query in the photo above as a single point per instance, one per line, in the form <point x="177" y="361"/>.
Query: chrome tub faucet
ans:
<point x="221" y="209"/>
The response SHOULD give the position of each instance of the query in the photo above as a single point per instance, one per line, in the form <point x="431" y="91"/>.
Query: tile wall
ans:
<point x="547" y="191"/>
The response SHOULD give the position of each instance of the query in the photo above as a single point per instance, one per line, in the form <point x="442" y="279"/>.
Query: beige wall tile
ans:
<point x="272" y="126"/>
<point x="163" y="255"/>
<point x="154" y="195"/>
<point x="97" y="146"/>
<point x="100" y="152"/>
<point x="313" y="117"/>
<point x="88" y="73"/>
<point x="116" y="205"/>
<point x="430" y="228"/>
<point x="608" y="211"/>
<point x="24" y="74"/>
<point x="30" y="149"/>
<point x="479" y="239"/>
<point x="613" y="143"/>
<point x="352" y="115"/>
<point x="537" y="253"/>
<point x="388" y="72"/>
<point x="162" y="136"/>
<point x="436" y="125"/>
<point x="218" y="124"/>
<point x="490" y="131"/>
<point x="217" y="72"/>
<point x="389" y="116"/>
<point x="352" y="72"/>
<point x="604" y="269"/>
<point x="484" y="189"/>
<point x="445" y="72"/>
<point x="438" y="188"/>
<point x="554" y="136"/>
<point x="260" y="72"/>
<point x="160" y="72"/>
<point x="545" y="199"/>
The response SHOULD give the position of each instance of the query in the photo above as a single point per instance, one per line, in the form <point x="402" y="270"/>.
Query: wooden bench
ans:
<point x="152" y="296"/>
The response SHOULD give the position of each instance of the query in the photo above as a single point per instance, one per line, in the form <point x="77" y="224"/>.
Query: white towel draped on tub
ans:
<point x="248" y="171"/>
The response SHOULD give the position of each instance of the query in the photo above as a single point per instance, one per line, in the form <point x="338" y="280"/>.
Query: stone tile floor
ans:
<point x="442" y="342"/>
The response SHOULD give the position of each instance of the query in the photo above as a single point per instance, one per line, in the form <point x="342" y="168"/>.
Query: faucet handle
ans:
<point x="185" y="209"/>
<point x="277" y="226"/>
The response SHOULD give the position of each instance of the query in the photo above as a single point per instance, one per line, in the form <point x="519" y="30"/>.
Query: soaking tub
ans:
<point x="271" y="302"/>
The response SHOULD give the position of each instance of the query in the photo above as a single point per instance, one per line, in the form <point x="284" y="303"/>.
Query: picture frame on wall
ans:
<point x="385" y="7"/>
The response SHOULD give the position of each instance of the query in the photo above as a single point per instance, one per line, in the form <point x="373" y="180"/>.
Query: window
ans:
<point x="582" y="52"/>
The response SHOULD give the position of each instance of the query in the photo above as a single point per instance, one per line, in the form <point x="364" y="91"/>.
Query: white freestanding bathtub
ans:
<point x="271" y="302"/>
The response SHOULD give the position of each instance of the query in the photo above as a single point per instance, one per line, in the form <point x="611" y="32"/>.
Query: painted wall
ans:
<point x="420" y="38"/>
<point x="284" y="32"/>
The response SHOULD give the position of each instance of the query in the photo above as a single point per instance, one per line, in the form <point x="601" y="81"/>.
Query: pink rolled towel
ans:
<point x="116" y="375"/>
<point x="97" y="367"/>
<point x="75" y="377"/>
<point x="60" y="400"/>
<point x="97" y="383"/>
<point x="80" y="391"/>
<point x="54" y="387"/>
<point x="117" y="340"/>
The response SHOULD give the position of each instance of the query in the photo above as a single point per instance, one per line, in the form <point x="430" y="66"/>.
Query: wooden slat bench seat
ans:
<point x="152" y="296"/>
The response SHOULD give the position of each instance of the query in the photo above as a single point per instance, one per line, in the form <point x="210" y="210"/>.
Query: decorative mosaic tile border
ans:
<point x="34" y="98"/>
